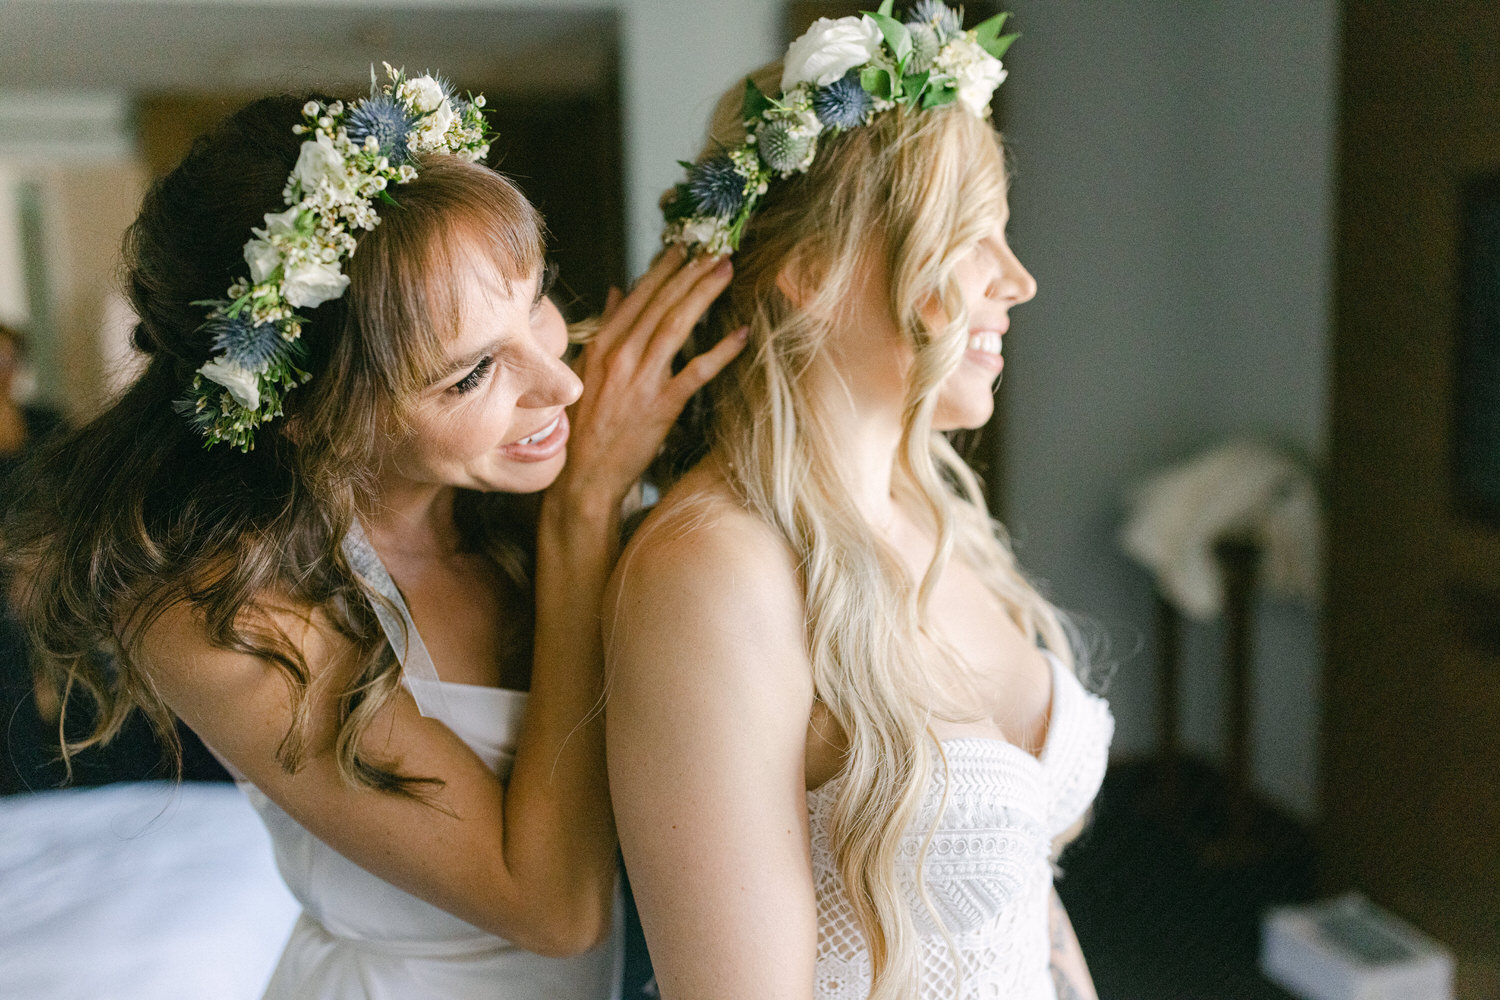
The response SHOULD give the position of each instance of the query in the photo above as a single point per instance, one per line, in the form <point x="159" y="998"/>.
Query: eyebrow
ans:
<point x="468" y="361"/>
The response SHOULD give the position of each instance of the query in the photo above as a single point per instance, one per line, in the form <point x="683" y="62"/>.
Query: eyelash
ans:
<point x="471" y="381"/>
<point x="544" y="287"/>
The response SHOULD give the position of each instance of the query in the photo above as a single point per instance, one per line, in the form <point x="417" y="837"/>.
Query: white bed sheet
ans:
<point x="142" y="890"/>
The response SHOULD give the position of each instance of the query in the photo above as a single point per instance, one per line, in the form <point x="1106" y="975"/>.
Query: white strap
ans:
<point x="418" y="671"/>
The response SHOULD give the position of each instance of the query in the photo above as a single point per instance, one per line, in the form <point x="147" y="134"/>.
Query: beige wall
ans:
<point x="85" y="209"/>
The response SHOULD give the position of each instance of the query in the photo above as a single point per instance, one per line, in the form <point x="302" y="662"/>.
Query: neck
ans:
<point x="413" y="519"/>
<point x="867" y="434"/>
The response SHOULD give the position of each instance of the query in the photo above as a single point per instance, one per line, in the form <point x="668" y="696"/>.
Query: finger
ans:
<point x="677" y="323"/>
<point x="702" y="369"/>
<point x="611" y="303"/>
<point x="668" y="295"/>
<point x="669" y="263"/>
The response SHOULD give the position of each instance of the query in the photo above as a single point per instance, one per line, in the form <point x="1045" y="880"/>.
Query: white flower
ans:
<point x="263" y="259"/>
<point x="242" y="383"/>
<point x="975" y="71"/>
<point x="701" y="230"/>
<point x="319" y="163"/>
<point x="311" y="109"/>
<point x="262" y="254"/>
<point x="430" y="131"/>
<point x="423" y="94"/>
<point x="311" y="283"/>
<point x="829" y="49"/>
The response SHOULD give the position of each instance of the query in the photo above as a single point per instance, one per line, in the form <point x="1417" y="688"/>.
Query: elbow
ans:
<point x="569" y="928"/>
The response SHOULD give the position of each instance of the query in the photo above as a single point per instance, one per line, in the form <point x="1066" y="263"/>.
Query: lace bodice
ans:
<point x="987" y="869"/>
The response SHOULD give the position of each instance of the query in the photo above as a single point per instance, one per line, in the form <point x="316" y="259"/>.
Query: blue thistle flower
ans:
<point x="924" y="47"/>
<point x="843" y="103"/>
<point x="781" y="149"/>
<point x="716" y="187"/>
<point x="246" y="344"/>
<point x="937" y="14"/>
<point x="383" y="117"/>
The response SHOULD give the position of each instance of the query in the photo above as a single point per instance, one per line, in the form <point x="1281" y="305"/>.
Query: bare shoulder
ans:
<point x="177" y="640"/>
<point x="707" y="585"/>
<point x="701" y="549"/>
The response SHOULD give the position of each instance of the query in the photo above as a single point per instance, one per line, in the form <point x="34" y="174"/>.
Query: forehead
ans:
<point x="487" y="304"/>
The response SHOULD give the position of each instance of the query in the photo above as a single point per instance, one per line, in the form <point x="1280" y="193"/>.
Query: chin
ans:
<point x="531" y="478"/>
<point x="963" y="415"/>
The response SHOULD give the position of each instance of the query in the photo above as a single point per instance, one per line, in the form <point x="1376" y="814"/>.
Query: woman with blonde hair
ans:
<point x="845" y="734"/>
<point x="305" y="531"/>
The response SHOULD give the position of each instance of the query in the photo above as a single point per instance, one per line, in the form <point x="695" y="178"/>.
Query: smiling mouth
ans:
<point x="987" y="341"/>
<point x="542" y="434"/>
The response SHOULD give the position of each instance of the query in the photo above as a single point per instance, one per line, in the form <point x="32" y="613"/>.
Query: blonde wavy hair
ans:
<point x="910" y="193"/>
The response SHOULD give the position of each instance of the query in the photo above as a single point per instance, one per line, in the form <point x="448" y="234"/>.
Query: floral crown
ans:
<point x="837" y="76"/>
<point x="353" y="154"/>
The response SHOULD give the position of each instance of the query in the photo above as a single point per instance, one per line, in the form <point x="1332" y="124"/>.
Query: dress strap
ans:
<point x="418" y="671"/>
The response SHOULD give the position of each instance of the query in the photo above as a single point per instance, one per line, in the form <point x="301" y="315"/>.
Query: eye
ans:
<point x="545" y="285"/>
<point x="472" y="381"/>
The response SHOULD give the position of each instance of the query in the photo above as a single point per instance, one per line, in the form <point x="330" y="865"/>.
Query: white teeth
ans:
<point x="985" y="340"/>
<point x="542" y="434"/>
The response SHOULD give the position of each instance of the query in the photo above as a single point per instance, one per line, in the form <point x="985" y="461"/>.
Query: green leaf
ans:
<point x="238" y="305"/>
<point x="876" y="82"/>
<point x="886" y="6"/>
<point x="914" y="84"/>
<point x="936" y="97"/>
<point x="1001" y="45"/>
<point x="755" y="103"/>
<point x="989" y="38"/>
<point x="385" y="196"/>
<point x="896" y="34"/>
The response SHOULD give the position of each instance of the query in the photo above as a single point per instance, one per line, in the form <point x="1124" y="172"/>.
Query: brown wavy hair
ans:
<point x="131" y="514"/>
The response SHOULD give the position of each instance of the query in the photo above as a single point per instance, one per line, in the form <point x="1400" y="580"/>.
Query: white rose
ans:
<point x="263" y="259"/>
<point x="242" y="383"/>
<point x="423" y="94"/>
<point x="975" y="71"/>
<point x="262" y="256"/>
<point x="312" y="283"/>
<point x="429" y="134"/>
<point x="829" y="49"/>
<point x="319" y="163"/>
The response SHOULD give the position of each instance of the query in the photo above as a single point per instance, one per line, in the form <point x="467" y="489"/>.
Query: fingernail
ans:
<point x="743" y="333"/>
<point x="723" y="266"/>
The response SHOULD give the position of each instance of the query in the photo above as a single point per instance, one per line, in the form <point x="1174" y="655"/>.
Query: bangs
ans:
<point x="455" y="220"/>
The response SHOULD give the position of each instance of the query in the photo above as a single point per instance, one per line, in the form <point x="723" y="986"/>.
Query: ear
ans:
<point x="794" y="281"/>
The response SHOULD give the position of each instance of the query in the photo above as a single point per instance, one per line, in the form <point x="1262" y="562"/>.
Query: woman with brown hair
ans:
<point x="846" y="735"/>
<point x="310" y="531"/>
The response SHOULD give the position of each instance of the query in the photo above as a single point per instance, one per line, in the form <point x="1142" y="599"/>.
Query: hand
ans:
<point x="630" y="396"/>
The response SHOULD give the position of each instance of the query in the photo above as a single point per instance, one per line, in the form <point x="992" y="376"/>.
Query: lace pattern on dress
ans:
<point x="986" y="871"/>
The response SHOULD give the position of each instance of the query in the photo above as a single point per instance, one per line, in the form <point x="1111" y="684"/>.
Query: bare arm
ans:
<point x="710" y="693"/>
<point x="531" y="860"/>
<point x="558" y="797"/>
<point x="1070" y="973"/>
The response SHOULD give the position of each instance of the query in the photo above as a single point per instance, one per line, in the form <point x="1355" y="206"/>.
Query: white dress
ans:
<point x="987" y="870"/>
<point x="361" y="938"/>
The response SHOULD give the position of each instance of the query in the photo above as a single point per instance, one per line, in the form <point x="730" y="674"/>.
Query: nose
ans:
<point x="1011" y="282"/>
<point x="553" y="384"/>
